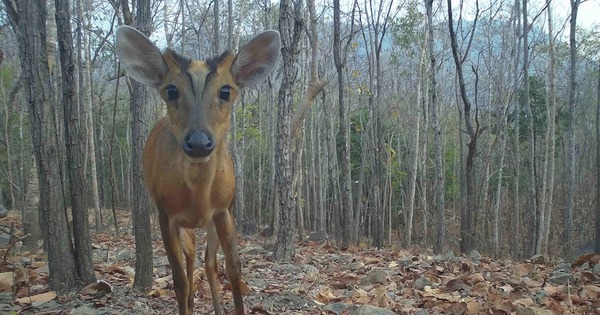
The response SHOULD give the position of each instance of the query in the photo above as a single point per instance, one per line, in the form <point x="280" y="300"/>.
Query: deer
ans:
<point x="187" y="166"/>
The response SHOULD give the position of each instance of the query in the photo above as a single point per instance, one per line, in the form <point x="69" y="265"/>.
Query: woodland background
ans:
<point x="390" y="123"/>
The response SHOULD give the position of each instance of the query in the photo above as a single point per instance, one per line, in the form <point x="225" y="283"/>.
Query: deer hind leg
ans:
<point x="189" y="251"/>
<point x="210" y="261"/>
<point x="225" y="226"/>
<point x="172" y="244"/>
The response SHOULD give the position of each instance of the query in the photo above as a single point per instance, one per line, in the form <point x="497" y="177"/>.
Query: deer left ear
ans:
<point x="257" y="59"/>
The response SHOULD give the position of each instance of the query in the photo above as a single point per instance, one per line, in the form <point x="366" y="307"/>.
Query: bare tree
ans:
<point x="348" y="228"/>
<point x="438" y="245"/>
<point x="28" y="20"/>
<point x="74" y="137"/>
<point x="290" y="28"/>
<point x="467" y="230"/>
<point x="139" y="132"/>
<point x="570" y="183"/>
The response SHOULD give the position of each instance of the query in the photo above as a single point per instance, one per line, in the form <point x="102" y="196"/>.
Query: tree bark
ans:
<point x="74" y="142"/>
<point x="468" y="229"/>
<point x="139" y="132"/>
<point x="28" y="20"/>
<point x="438" y="245"/>
<point x="570" y="183"/>
<point x="289" y="28"/>
<point x="343" y="139"/>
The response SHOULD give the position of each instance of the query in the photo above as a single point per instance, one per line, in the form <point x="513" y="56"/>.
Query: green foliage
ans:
<point x="407" y="30"/>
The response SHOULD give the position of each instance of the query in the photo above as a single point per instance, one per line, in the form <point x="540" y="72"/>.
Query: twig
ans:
<point x="4" y="257"/>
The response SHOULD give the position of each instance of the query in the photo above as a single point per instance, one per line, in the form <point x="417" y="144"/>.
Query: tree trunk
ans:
<point x="139" y="132"/>
<point x="597" y="242"/>
<point x="28" y="20"/>
<point x="515" y="241"/>
<point x="74" y="142"/>
<point x="570" y="183"/>
<point x="85" y="84"/>
<point x="30" y="214"/>
<point x="548" y="163"/>
<point x="290" y="28"/>
<point x="438" y="245"/>
<point x="343" y="139"/>
<point x="468" y="229"/>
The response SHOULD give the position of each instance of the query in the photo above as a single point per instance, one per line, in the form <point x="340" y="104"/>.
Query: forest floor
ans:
<point x="321" y="279"/>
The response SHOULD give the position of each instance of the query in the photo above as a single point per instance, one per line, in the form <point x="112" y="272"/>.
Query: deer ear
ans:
<point x="256" y="59"/>
<point x="140" y="58"/>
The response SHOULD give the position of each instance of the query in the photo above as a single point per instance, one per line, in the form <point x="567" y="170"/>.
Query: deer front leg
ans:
<point x="210" y="263"/>
<point x="172" y="244"/>
<point x="225" y="226"/>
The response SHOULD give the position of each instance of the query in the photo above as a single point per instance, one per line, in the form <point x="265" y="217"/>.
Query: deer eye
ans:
<point x="172" y="92"/>
<point x="225" y="92"/>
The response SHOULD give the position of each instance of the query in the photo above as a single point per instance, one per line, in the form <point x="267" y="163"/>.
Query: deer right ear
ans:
<point x="140" y="58"/>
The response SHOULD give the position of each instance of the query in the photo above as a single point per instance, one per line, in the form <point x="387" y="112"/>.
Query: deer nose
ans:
<point x="198" y="144"/>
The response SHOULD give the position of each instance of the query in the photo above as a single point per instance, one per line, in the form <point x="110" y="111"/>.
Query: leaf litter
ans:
<point x="321" y="279"/>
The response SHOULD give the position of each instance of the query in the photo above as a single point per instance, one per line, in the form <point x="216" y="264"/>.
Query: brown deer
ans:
<point x="187" y="167"/>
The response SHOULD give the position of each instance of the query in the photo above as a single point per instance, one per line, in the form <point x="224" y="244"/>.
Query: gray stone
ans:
<point x="84" y="310"/>
<point x="253" y="249"/>
<point x="335" y="308"/>
<point x="539" y="259"/>
<point x="125" y="254"/>
<point x="561" y="278"/>
<point x="369" y="310"/>
<point x="475" y="255"/>
<point x="596" y="269"/>
<point x="161" y="261"/>
<point x="375" y="276"/>
<point x="421" y="283"/>
<point x="354" y="266"/>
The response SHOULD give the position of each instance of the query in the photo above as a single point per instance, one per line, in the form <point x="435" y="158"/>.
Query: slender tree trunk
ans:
<point x="28" y="20"/>
<point x="289" y="15"/>
<point x="438" y="245"/>
<point x="74" y="138"/>
<point x="597" y="242"/>
<point x="515" y="241"/>
<point x="570" y="183"/>
<point x="86" y="110"/>
<point x="468" y="227"/>
<point x="531" y="187"/>
<point x="548" y="164"/>
<point x="348" y="237"/>
<point x="139" y="132"/>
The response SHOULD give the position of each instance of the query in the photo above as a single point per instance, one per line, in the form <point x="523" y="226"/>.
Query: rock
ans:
<point x="253" y="249"/>
<point x="3" y="211"/>
<point x="320" y="236"/>
<point x="533" y="311"/>
<point x="289" y="268"/>
<point x="561" y="278"/>
<point x="7" y="282"/>
<point x="125" y="254"/>
<point x="357" y="265"/>
<point x="84" y="310"/>
<point x="539" y="259"/>
<point x="375" y="276"/>
<point x="369" y="310"/>
<point x="161" y="261"/>
<point x="475" y="255"/>
<point x="421" y="283"/>
<point x="335" y="308"/>
<point x="596" y="269"/>
<point x="422" y="312"/>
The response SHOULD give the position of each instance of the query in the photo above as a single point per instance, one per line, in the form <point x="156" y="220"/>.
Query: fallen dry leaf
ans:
<point x="40" y="298"/>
